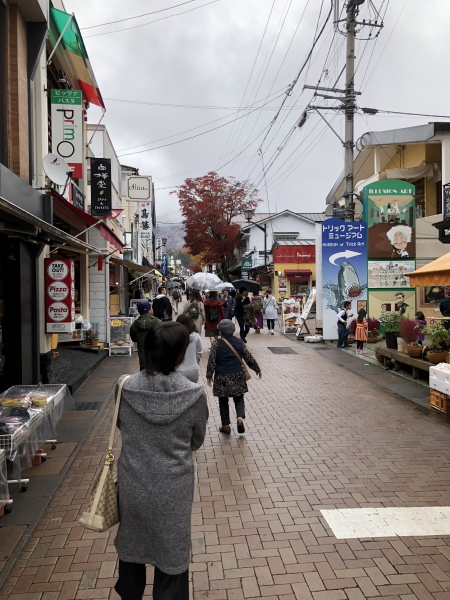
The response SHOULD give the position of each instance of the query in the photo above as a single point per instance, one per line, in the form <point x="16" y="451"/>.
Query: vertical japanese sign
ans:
<point x="76" y="196"/>
<point x="344" y="270"/>
<point x="390" y="212"/>
<point x="59" y="295"/>
<point x="165" y="265"/>
<point x="67" y="128"/>
<point x="145" y="220"/>
<point x="101" y="199"/>
<point x="446" y="201"/>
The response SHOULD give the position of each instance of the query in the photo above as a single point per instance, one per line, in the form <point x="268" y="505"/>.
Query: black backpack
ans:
<point x="176" y="295"/>
<point x="194" y="311"/>
<point x="213" y="313"/>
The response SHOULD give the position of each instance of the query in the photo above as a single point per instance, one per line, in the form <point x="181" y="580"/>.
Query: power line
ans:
<point x="150" y="22"/>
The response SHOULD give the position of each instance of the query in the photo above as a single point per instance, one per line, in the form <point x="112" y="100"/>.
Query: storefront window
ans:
<point x="298" y="288"/>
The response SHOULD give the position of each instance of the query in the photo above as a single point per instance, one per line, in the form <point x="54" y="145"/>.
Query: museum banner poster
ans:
<point x="344" y="270"/>
<point x="390" y="212"/>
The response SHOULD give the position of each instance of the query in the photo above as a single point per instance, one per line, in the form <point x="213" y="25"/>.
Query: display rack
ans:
<point x="5" y="501"/>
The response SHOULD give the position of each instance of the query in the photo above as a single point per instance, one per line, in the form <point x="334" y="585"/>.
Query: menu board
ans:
<point x="59" y="295"/>
<point x="119" y="332"/>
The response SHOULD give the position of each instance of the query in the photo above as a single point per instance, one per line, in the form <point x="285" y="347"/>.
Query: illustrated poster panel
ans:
<point x="308" y="305"/>
<point x="390" y="273"/>
<point x="291" y="312"/>
<point x="401" y="301"/>
<point x="282" y="287"/>
<point x="390" y="213"/>
<point x="119" y="331"/>
<point x="344" y="270"/>
<point x="432" y="295"/>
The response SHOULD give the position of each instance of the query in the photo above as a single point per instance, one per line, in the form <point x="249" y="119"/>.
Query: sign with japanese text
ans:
<point x="139" y="187"/>
<point x="76" y="196"/>
<point x="344" y="270"/>
<point x="101" y="199"/>
<point x="294" y="254"/>
<point x="165" y="265"/>
<point x="446" y="201"/>
<point x="145" y="220"/>
<point x="67" y="128"/>
<point x="59" y="295"/>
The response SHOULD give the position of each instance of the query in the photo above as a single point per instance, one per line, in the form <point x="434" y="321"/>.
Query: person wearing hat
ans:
<point x="141" y="327"/>
<point x="225" y="364"/>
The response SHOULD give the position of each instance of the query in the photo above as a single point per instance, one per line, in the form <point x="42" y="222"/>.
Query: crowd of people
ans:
<point x="162" y="418"/>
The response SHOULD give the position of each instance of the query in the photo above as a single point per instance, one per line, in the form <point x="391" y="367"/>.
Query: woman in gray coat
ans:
<point x="162" y="420"/>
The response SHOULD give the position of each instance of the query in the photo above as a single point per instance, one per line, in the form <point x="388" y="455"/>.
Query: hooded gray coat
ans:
<point x="162" y="420"/>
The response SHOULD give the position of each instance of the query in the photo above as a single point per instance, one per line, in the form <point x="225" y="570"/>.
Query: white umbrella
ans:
<point x="224" y="286"/>
<point x="203" y="281"/>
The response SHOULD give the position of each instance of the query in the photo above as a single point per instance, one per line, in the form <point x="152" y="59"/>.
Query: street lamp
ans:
<point x="248" y="214"/>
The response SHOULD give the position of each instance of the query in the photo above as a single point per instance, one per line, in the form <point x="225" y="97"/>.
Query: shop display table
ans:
<point x="417" y="364"/>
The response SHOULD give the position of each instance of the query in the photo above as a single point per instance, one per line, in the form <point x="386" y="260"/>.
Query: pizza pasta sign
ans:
<point x="59" y="295"/>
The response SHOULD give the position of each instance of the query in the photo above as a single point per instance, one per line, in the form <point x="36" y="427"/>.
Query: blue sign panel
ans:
<point x="165" y="265"/>
<point x="344" y="270"/>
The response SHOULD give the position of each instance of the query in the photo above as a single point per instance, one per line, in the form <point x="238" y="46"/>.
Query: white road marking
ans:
<point x="351" y="523"/>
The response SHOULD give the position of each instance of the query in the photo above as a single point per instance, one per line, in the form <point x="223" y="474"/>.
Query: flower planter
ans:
<point x="94" y="341"/>
<point x="372" y="340"/>
<point x="380" y="358"/>
<point x="391" y="340"/>
<point x="437" y="357"/>
<point x="414" y="352"/>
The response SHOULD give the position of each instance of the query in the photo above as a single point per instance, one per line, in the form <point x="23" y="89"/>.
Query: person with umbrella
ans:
<point x="214" y="314"/>
<point x="241" y="301"/>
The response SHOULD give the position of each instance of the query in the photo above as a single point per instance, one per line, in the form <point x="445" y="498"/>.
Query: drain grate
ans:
<point x="82" y="406"/>
<point x="282" y="350"/>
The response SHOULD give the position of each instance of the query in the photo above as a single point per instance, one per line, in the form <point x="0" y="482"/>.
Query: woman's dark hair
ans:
<point x="165" y="346"/>
<point x="212" y="295"/>
<point x="195" y="295"/>
<point x="361" y="315"/>
<point x="188" y="322"/>
<point x="232" y="293"/>
<point x="242" y="289"/>
<point x="420" y="316"/>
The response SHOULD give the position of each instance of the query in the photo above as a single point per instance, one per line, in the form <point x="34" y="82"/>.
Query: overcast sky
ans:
<point x="205" y="58"/>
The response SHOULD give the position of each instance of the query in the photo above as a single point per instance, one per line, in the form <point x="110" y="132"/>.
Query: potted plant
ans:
<point x="409" y="332"/>
<point x="93" y="337"/>
<point x="379" y="357"/>
<point x="438" y="343"/>
<point x="373" y="333"/>
<point x="391" y="322"/>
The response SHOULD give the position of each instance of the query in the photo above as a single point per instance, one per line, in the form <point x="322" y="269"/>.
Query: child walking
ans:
<point x="361" y="331"/>
<point x="421" y="322"/>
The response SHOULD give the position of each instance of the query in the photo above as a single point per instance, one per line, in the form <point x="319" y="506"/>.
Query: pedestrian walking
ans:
<point x="421" y="323"/>
<point x="226" y="365"/>
<point x="162" y="419"/>
<point x="242" y="300"/>
<point x="228" y="305"/>
<point x="257" y="302"/>
<point x="270" y="307"/>
<point x="189" y="366"/>
<point x="196" y="310"/>
<point x="141" y="327"/>
<point x="176" y="296"/>
<point x="361" y="331"/>
<point x="342" y="325"/>
<point x="214" y="314"/>
<point x="162" y="307"/>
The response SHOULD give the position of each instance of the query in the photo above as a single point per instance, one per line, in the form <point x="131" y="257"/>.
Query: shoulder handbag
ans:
<point x="102" y="511"/>
<point x="244" y="366"/>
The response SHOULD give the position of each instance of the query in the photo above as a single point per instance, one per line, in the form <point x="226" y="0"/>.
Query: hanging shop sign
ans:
<point x="145" y="220"/>
<point x="246" y="266"/>
<point x="344" y="270"/>
<point x="446" y="201"/>
<point x="101" y="198"/>
<point x="165" y="265"/>
<point x="76" y="196"/>
<point x="59" y="295"/>
<point x="67" y="128"/>
<point x="139" y="188"/>
<point x="294" y="254"/>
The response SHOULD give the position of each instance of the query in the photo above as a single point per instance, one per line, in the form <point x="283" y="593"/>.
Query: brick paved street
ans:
<point x="318" y="437"/>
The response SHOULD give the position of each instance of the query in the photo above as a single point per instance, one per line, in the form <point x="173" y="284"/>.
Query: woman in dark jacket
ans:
<point x="214" y="314"/>
<point x="242" y="300"/>
<point x="228" y="304"/>
<point x="229" y="376"/>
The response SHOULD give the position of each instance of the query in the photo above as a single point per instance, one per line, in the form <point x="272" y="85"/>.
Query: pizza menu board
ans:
<point x="119" y="331"/>
<point x="59" y="295"/>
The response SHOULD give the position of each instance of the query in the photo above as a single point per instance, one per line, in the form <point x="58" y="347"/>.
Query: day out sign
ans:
<point x="67" y="128"/>
<point x="59" y="295"/>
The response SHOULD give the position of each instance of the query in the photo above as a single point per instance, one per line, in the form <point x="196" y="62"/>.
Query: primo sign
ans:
<point x="67" y="128"/>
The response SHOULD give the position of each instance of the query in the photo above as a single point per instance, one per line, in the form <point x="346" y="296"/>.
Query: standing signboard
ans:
<point x="145" y="220"/>
<point x="344" y="270"/>
<point x="101" y="198"/>
<point x="119" y="333"/>
<point x="139" y="188"/>
<point x="67" y="128"/>
<point x="305" y="313"/>
<point x="59" y="295"/>
<point x="291" y="312"/>
<point x="390" y="212"/>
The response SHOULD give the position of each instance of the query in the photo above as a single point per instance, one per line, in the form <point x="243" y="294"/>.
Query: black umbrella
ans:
<point x="251" y="286"/>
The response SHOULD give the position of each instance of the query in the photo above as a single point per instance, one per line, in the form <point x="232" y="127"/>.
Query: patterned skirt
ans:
<point x="230" y="385"/>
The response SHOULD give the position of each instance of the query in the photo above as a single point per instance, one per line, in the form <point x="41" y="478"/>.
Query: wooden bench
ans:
<point x="417" y="364"/>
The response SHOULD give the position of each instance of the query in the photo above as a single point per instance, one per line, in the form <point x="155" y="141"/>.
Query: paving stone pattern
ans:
<point x="318" y="437"/>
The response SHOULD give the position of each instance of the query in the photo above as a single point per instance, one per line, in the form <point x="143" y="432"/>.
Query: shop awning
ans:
<point x="436" y="272"/>
<point x="69" y="211"/>
<point x="299" y="275"/>
<point x="132" y="266"/>
<point x="17" y="220"/>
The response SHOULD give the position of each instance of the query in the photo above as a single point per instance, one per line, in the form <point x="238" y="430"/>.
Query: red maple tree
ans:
<point x="208" y="205"/>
